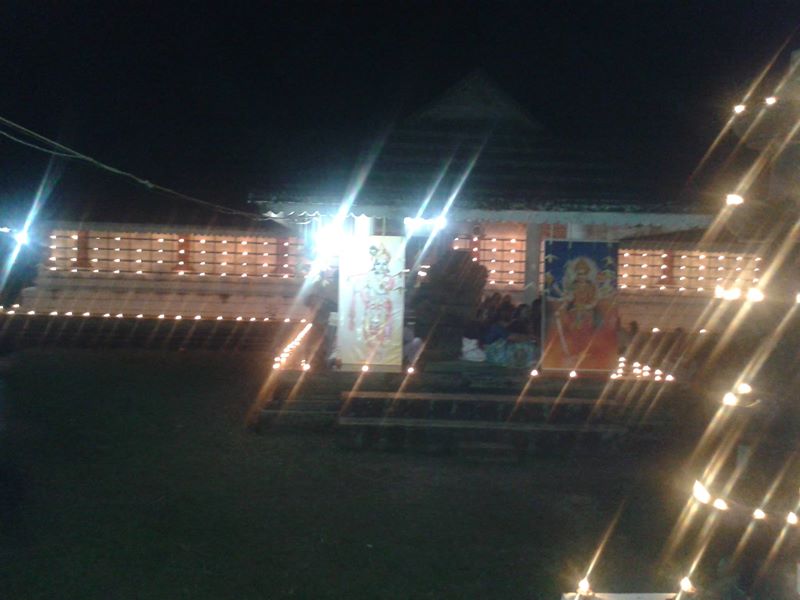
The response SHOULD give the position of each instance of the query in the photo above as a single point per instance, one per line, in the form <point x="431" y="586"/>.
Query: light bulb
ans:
<point x="730" y="399"/>
<point x="686" y="586"/>
<point x="583" y="587"/>
<point x="700" y="493"/>
<point x="734" y="200"/>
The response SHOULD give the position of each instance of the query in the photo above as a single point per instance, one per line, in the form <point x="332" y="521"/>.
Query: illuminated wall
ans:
<point x="152" y="273"/>
<point x="501" y="248"/>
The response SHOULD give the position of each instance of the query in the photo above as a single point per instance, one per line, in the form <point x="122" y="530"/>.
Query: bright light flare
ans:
<point x="739" y="109"/>
<point x="730" y="399"/>
<point x="732" y="294"/>
<point x="364" y="368"/>
<point x="759" y="514"/>
<point x="700" y="493"/>
<point x="720" y="504"/>
<point x="573" y="374"/>
<point x="22" y="237"/>
<point x="744" y="388"/>
<point x="770" y="100"/>
<point x="410" y="370"/>
<point x="734" y="200"/>
<point x="755" y="295"/>
<point x="791" y="518"/>
<point x="583" y="587"/>
<point x="686" y="586"/>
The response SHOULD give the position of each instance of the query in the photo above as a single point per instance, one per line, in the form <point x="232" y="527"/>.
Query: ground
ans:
<point x="131" y="475"/>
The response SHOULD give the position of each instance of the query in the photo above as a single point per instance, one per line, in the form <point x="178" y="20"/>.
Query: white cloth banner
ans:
<point x="371" y="277"/>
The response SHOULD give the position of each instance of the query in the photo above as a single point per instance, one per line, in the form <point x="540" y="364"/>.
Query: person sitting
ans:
<point x="506" y="345"/>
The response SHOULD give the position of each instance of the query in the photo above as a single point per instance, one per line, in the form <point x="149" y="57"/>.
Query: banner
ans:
<point x="371" y="277"/>
<point x="579" y="312"/>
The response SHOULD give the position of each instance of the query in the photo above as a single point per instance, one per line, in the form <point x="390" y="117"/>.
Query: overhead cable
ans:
<point x="66" y="152"/>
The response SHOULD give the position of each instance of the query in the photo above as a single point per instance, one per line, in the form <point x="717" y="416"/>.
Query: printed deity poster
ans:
<point x="370" y="329"/>
<point x="580" y="312"/>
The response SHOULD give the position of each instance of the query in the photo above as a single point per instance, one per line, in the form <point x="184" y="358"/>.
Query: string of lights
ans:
<point x="735" y="399"/>
<point x="16" y="309"/>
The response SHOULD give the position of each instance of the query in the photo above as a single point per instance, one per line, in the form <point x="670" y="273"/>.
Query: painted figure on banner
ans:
<point x="371" y="314"/>
<point x="580" y="314"/>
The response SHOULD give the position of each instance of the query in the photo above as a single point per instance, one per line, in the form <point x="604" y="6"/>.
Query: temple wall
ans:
<point x="108" y="270"/>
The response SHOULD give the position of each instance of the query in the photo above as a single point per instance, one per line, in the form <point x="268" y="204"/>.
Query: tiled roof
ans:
<point x="477" y="134"/>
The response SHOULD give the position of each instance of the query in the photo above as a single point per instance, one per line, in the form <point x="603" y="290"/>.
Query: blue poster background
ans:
<point x="580" y="315"/>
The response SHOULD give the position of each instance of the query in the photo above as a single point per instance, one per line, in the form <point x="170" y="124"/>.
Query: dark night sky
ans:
<point x="219" y="99"/>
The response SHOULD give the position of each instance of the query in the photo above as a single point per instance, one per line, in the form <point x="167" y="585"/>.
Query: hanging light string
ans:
<point x="54" y="148"/>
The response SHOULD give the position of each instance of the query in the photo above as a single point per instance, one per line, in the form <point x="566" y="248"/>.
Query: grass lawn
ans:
<point x="130" y="475"/>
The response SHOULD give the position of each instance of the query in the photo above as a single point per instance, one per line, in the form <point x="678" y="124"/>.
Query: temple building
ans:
<point x="473" y="171"/>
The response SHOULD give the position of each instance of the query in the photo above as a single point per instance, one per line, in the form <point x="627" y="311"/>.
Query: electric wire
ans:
<point x="66" y="152"/>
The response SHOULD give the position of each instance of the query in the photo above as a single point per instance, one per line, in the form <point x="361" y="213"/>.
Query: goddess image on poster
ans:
<point x="581" y="319"/>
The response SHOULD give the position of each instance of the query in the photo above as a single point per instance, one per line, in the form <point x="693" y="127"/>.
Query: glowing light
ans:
<point x="686" y="586"/>
<point x="410" y="370"/>
<point x="535" y="373"/>
<point x="733" y="200"/>
<point x="720" y="504"/>
<point x="730" y="399"/>
<point x="739" y="109"/>
<point x="759" y="514"/>
<point x="219" y="318"/>
<point x="583" y="587"/>
<point x="656" y="330"/>
<point x="733" y="294"/>
<point x="306" y="367"/>
<point x="364" y="368"/>
<point x="770" y="100"/>
<point x="22" y="237"/>
<point x="276" y="365"/>
<point x="755" y="295"/>
<point x="573" y="374"/>
<point x="791" y="518"/>
<point x="700" y="493"/>
<point x="744" y="388"/>
<point x="669" y="378"/>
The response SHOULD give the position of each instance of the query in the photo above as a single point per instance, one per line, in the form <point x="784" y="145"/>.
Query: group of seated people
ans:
<point x="503" y="333"/>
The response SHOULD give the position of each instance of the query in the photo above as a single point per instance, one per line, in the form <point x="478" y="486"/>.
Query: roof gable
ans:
<point x="476" y="98"/>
